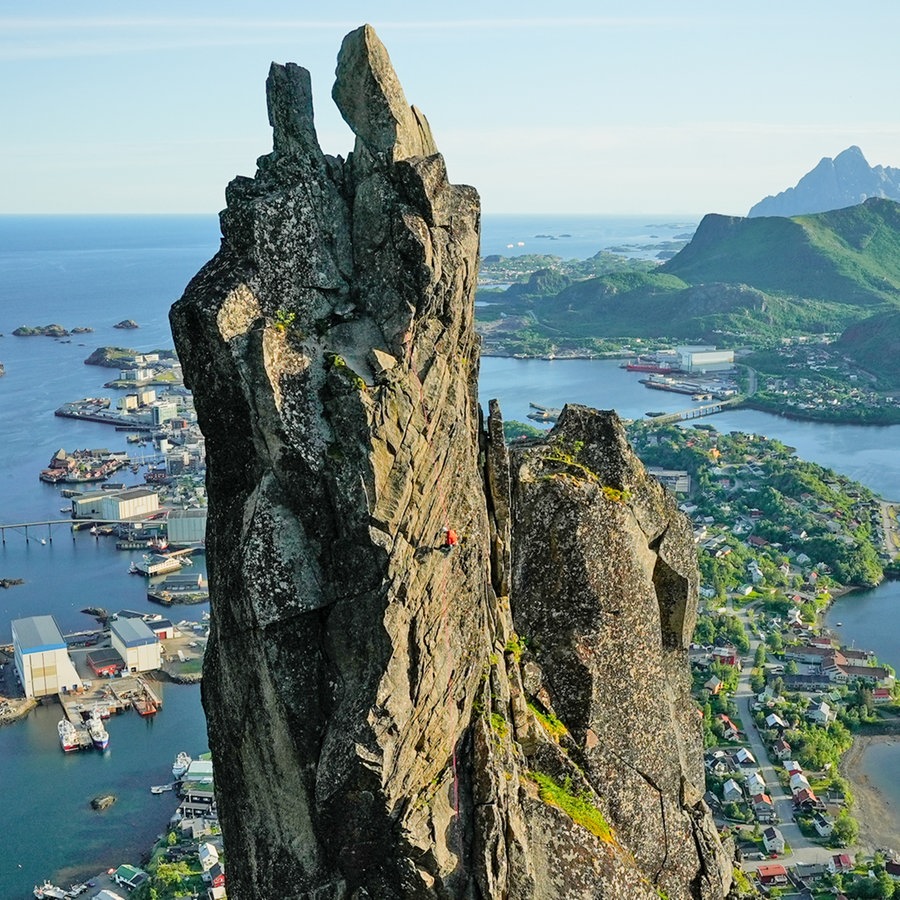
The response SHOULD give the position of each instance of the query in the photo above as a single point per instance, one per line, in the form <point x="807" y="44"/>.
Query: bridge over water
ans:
<point x="71" y="525"/>
<point x="694" y="412"/>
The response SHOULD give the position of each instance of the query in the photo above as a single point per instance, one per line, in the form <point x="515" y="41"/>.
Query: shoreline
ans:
<point x="879" y="820"/>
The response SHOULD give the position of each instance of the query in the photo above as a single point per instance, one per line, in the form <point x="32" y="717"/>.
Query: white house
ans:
<point x="731" y="792"/>
<point x="821" y="713"/>
<point x="744" y="757"/>
<point x="755" y="784"/>
<point x="208" y="855"/>
<point x="773" y="840"/>
<point x="824" y="825"/>
<point x="799" y="782"/>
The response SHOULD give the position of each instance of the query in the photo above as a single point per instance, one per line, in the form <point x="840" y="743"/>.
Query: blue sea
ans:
<point x="95" y="271"/>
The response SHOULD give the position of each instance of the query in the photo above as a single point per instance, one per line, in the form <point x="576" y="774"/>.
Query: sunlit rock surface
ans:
<point x="389" y="717"/>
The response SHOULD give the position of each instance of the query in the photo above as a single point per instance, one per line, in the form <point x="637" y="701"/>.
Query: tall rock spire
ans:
<point x="371" y="729"/>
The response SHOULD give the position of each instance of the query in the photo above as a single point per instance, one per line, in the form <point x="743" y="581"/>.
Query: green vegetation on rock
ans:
<point x="579" y="809"/>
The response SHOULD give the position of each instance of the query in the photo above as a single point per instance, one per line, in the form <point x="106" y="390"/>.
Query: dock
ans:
<point x="544" y="413"/>
<point x="112" y="697"/>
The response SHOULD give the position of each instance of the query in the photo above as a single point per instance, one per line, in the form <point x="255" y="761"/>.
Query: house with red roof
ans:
<point x="840" y="862"/>
<point x="772" y="875"/>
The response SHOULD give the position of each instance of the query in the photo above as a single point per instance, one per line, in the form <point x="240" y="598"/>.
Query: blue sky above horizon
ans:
<point x="603" y="108"/>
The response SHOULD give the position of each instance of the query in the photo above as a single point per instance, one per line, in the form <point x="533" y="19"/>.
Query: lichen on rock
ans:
<point x="391" y="716"/>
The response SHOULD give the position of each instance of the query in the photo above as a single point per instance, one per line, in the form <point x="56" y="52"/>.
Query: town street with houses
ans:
<point x="802" y="849"/>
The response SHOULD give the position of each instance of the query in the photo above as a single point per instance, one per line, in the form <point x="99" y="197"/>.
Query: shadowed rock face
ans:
<point x="370" y="707"/>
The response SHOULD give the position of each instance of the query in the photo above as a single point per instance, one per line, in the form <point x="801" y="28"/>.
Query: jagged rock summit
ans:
<point x="846" y="180"/>
<point x="391" y="716"/>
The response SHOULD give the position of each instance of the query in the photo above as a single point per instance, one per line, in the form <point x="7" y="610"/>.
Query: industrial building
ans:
<point x="130" y="504"/>
<point x="136" y="644"/>
<point x="105" y="661"/>
<point x="676" y="480"/>
<point x="705" y="359"/>
<point x="108" y="506"/>
<point x="162" y="411"/>
<point x="187" y="526"/>
<point x="42" y="657"/>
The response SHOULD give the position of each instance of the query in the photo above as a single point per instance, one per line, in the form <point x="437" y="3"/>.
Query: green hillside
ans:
<point x="663" y="305"/>
<point x="847" y="256"/>
<point x="874" y="344"/>
<point x="739" y="280"/>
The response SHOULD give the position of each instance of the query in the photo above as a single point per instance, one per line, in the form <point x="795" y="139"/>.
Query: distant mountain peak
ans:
<point x="846" y="180"/>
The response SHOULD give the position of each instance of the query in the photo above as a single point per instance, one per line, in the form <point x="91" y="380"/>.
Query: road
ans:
<point x="803" y="849"/>
<point x="890" y="527"/>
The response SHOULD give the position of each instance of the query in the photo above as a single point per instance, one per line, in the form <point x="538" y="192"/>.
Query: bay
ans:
<point x="94" y="271"/>
<point x="80" y="271"/>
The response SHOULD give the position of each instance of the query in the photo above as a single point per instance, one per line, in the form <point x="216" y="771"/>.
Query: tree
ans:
<point x="759" y="658"/>
<point x="846" y="829"/>
<point x="885" y="886"/>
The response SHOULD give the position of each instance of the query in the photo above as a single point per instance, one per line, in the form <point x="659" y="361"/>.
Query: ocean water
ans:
<point x="95" y="271"/>
<point x="580" y="237"/>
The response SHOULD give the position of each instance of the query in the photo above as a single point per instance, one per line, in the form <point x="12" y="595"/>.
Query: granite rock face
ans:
<point x="379" y="728"/>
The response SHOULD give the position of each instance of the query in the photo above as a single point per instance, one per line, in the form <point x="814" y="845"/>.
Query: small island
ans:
<point x="53" y="330"/>
<point x="126" y="357"/>
<point x="126" y="323"/>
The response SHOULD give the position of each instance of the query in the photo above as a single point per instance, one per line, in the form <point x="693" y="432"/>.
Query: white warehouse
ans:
<point x="42" y="657"/>
<point x="129" y="504"/>
<point x="705" y="359"/>
<point x="136" y="644"/>
<point x="107" y="506"/>
<point x="186" y="526"/>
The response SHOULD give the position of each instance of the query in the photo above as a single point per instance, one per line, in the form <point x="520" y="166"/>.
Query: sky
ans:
<point x="603" y="107"/>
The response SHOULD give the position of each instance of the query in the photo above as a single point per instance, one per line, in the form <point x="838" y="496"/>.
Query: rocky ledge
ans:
<point x="393" y="714"/>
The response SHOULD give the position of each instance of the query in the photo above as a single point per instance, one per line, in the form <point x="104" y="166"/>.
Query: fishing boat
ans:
<point x="97" y="731"/>
<point x="68" y="736"/>
<point x="47" y="890"/>
<point x="181" y="764"/>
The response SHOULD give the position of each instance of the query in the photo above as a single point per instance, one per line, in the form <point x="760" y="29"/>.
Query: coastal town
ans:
<point x="114" y="668"/>
<point x="781" y="698"/>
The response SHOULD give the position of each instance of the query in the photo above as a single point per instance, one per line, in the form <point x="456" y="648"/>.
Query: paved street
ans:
<point x="802" y="848"/>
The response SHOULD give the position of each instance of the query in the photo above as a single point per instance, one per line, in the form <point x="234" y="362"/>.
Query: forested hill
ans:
<point x="741" y="280"/>
<point x="848" y="255"/>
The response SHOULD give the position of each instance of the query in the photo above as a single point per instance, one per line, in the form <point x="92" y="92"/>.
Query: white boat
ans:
<point x="161" y="788"/>
<point x="49" y="891"/>
<point x="181" y="764"/>
<point x="68" y="736"/>
<point x="97" y="731"/>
